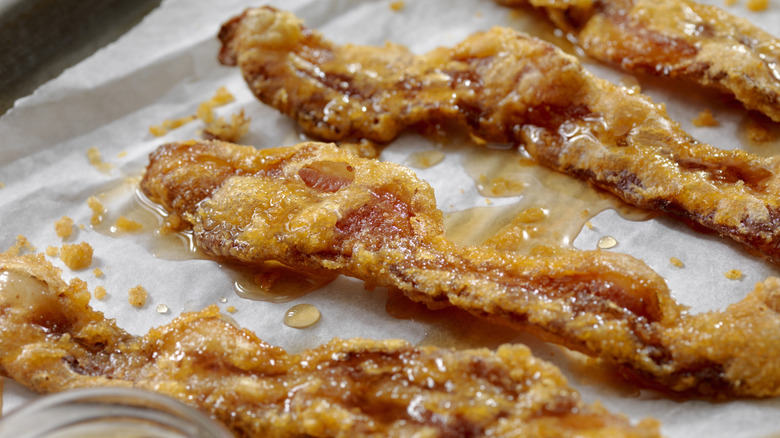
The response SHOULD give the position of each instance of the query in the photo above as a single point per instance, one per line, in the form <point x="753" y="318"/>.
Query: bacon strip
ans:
<point x="677" y="39"/>
<point x="314" y="206"/>
<point x="504" y="86"/>
<point x="51" y="340"/>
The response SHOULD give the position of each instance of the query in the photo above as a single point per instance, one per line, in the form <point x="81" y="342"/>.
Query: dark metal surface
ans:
<point x="41" y="38"/>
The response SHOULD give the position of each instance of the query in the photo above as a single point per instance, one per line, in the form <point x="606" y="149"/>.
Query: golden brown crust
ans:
<point x="678" y="39"/>
<point x="314" y="206"/>
<point x="504" y="86"/>
<point x="51" y="340"/>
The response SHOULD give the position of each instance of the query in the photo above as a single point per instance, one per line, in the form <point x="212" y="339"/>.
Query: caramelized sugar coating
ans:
<point x="678" y="39"/>
<point x="51" y="340"/>
<point x="314" y="206"/>
<point x="504" y="86"/>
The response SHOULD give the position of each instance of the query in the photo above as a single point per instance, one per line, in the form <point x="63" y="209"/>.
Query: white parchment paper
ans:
<point x="166" y="65"/>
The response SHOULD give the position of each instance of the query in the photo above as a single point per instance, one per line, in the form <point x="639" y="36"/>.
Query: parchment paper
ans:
<point x="166" y="65"/>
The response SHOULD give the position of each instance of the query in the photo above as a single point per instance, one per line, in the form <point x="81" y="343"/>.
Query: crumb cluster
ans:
<point x="64" y="227"/>
<point x="215" y="127"/>
<point x="705" y="119"/>
<point x="137" y="296"/>
<point x="76" y="256"/>
<point x="127" y="225"/>
<point x="98" y="210"/>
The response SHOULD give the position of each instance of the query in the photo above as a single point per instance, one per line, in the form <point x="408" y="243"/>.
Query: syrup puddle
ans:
<point x="551" y="211"/>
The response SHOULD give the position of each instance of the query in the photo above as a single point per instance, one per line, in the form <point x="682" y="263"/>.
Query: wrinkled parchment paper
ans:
<point x="166" y="65"/>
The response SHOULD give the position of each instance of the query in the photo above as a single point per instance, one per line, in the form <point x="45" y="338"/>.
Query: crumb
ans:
<point x="97" y="210"/>
<point x="64" y="227"/>
<point x="479" y="141"/>
<point x="19" y="246"/>
<point x="93" y="155"/>
<point x="206" y="109"/>
<point x="52" y="251"/>
<point x="504" y="187"/>
<point x="705" y="118"/>
<point x="76" y="256"/>
<point x="397" y="6"/>
<point x="221" y="129"/>
<point x="488" y="201"/>
<point x="231" y="309"/>
<point x="733" y="274"/>
<point x="169" y="125"/>
<point x="730" y="2"/>
<point x="122" y="154"/>
<point x="364" y="148"/>
<point x="478" y="14"/>
<point x="757" y="5"/>
<point x="215" y="129"/>
<point x="531" y="215"/>
<point x="758" y="131"/>
<point x="590" y="225"/>
<point x="171" y="224"/>
<point x="133" y="180"/>
<point x="676" y="262"/>
<point x="2" y="185"/>
<point x="81" y="227"/>
<point x="137" y="296"/>
<point x="98" y="272"/>
<point x="100" y="292"/>
<point x="125" y="224"/>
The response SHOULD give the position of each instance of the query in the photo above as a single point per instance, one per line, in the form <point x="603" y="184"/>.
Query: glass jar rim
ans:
<point x="104" y="407"/>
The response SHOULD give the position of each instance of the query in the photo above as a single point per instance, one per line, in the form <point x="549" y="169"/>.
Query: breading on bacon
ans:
<point x="52" y="340"/>
<point x="504" y="86"/>
<point x="677" y="39"/>
<point x="314" y="206"/>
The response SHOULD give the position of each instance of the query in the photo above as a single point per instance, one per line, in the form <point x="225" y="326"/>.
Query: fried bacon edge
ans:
<point x="677" y="39"/>
<point x="505" y="86"/>
<point x="52" y="340"/>
<point x="314" y="207"/>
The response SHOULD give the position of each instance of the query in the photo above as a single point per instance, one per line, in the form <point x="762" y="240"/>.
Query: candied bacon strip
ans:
<point x="381" y="225"/>
<point x="505" y="86"/>
<point x="51" y="340"/>
<point x="677" y="39"/>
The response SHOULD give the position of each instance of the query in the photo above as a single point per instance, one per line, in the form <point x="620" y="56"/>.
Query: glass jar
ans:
<point x="108" y="413"/>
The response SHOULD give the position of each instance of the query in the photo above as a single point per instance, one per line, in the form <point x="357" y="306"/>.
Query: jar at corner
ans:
<point x="108" y="413"/>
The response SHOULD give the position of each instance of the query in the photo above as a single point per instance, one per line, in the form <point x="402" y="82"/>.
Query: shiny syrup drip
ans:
<point x="302" y="316"/>
<point x="607" y="242"/>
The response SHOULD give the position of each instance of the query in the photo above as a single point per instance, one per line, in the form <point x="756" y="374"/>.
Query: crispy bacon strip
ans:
<point x="678" y="39"/>
<point x="314" y="206"/>
<point x="504" y="86"/>
<point x="51" y="340"/>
